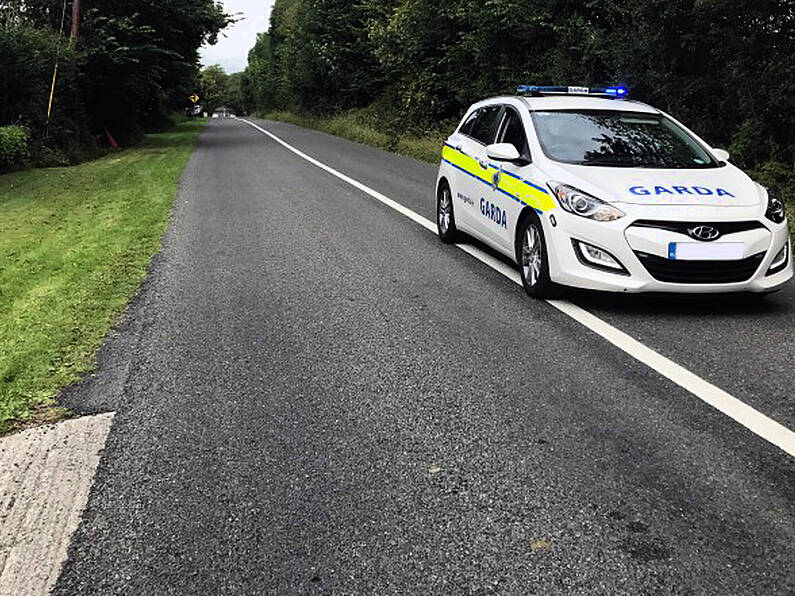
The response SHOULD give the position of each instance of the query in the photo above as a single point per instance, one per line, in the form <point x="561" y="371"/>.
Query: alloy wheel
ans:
<point x="531" y="254"/>
<point x="445" y="211"/>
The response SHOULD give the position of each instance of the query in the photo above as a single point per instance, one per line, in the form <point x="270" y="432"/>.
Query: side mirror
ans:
<point x="502" y="152"/>
<point x="721" y="154"/>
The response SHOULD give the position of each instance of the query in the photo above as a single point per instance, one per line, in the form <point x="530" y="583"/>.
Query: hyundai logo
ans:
<point x="705" y="233"/>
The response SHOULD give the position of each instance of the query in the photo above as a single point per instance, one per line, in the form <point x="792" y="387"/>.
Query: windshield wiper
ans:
<point x="676" y="166"/>
<point x="608" y="163"/>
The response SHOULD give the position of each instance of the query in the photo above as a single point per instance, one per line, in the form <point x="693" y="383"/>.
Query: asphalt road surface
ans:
<point x="314" y="395"/>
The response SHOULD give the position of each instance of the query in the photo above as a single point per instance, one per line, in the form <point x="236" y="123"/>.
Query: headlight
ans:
<point x="581" y="203"/>
<point x="775" y="208"/>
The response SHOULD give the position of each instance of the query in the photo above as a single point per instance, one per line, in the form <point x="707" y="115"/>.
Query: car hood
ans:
<point x="726" y="186"/>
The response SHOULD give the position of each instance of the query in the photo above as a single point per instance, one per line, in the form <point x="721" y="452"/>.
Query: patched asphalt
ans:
<point x="314" y="395"/>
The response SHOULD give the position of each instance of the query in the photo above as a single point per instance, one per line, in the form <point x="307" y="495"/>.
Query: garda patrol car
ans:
<point x="583" y="187"/>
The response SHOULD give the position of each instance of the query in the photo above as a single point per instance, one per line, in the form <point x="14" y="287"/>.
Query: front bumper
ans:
<point x="643" y="253"/>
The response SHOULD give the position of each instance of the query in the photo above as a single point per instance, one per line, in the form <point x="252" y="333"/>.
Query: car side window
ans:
<point x="513" y="132"/>
<point x="466" y="127"/>
<point x="485" y="127"/>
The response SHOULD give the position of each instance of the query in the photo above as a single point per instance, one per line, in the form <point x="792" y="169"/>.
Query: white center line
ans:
<point x="752" y="419"/>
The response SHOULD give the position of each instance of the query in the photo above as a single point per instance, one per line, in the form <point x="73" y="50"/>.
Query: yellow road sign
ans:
<point x="194" y="98"/>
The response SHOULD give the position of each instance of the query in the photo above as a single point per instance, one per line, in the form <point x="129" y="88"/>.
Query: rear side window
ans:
<point x="484" y="128"/>
<point x="466" y="127"/>
<point x="513" y="132"/>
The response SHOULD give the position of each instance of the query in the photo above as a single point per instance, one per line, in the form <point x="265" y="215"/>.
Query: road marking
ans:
<point x="740" y="412"/>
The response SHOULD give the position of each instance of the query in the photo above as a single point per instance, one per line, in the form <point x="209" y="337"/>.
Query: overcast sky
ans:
<point x="233" y="45"/>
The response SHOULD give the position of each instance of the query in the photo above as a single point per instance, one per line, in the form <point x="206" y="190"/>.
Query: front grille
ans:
<point x="681" y="227"/>
<point x="700" y="272"/>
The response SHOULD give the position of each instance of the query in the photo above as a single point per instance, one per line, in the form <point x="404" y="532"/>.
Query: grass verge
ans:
<point x="364" y="126"/>
<point x="75" y="244"/>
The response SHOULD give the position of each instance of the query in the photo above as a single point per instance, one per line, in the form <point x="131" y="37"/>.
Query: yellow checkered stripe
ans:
<point x="511" y="185"/>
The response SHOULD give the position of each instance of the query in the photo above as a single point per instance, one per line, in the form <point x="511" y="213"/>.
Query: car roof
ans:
<point x="574" y="102"/>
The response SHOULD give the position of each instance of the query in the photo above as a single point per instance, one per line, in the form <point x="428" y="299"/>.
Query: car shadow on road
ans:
<point x="775" y="304"/>
<point x="687" y="305"/>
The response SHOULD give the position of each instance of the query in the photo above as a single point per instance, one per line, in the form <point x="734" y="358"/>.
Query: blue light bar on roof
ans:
<point x="615" y="91"/>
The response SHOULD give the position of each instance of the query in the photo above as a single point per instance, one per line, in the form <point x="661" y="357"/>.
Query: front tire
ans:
<point x="531" y="254"/>
<point x="445" y="218"/>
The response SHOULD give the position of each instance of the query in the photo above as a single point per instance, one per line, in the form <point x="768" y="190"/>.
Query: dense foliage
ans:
<point x="724" y="67"/>
<point x="217" y="89"/>
<point x="13" y="147"/>
<point x="133" y="63"/>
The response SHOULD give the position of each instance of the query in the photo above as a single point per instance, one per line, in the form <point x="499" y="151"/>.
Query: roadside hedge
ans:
<point x="13" y="147"/>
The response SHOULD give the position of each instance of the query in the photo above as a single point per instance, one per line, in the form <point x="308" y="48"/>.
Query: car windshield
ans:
<point x="618" y="139"/>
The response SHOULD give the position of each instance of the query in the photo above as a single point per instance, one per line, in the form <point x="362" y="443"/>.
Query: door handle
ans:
<point x="483" y="164"/>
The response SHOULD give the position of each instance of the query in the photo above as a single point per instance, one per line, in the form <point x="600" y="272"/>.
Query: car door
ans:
<point x="510" y="182"/>
<point x="476" y="181"/>
<point x="457" y="152"/>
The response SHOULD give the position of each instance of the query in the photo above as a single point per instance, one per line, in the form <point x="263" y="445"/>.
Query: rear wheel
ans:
<point x="445" y="219"/>
<point x="531" y="254"/>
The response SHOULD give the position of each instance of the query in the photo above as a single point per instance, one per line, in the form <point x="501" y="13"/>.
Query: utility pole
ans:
<point x="75" y="19"/>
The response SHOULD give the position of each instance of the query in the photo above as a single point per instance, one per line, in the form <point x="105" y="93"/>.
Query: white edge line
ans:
<point x="740" y="412"/>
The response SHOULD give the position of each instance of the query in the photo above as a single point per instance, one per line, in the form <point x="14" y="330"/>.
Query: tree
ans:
<point x="234" y="97"/>
<point x="318" y="53"/>
<point x="214" y="87"/>
<point x="136" y="60"/>
<point x="259" y="81"/>
<point x="725" y="67"/>
<point x="142" y="57"/>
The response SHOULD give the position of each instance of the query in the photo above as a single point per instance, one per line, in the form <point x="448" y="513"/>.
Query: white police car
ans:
<point x="585" y="188"/>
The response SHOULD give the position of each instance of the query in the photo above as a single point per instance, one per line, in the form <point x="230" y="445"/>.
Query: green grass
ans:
<point x="75" y="244"/>
<point x="363" y="126"/>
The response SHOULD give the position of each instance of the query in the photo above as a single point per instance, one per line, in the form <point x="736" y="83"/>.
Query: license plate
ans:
<point x="701" y="251"/>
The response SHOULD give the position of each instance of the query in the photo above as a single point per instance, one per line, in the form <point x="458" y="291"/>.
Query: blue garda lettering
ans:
<point x="679" y="190"/>
<point x="494" y="213"/>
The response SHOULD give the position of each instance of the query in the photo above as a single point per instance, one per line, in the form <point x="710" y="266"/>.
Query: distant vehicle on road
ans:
<point x="194" y="111"/>
<point x="223" y="112"/>
<point x="586" y="188"/>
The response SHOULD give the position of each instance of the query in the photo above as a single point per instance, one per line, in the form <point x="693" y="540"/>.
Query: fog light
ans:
<point x="597" y="258"/>
<point x="781" y="260"/>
